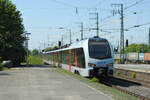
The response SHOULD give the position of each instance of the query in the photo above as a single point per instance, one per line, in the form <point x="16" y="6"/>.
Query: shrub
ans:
<point x="1" y="67"/>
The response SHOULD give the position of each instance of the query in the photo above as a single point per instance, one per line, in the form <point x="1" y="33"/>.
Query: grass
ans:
<point x="94" y="79"/>
<point x="35" y="60"/>
<point x="94" y="83"/>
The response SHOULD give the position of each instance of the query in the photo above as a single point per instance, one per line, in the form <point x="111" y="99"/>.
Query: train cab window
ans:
<point x="99" y="49"/>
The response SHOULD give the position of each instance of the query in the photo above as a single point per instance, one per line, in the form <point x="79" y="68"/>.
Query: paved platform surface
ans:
<point x="134" y="67"/>
<point x="44" y="84"/>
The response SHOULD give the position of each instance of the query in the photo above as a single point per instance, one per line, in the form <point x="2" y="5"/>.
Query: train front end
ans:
<point x="100" y="60"/>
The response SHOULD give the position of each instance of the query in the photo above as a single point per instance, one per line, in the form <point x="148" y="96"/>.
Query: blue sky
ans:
<point x="42" y="18"/>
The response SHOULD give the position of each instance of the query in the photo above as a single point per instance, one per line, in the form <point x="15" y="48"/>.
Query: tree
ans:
<point x="140" y="48"/>
<point x="11" y="33"/>
<point x="35" y="52"/>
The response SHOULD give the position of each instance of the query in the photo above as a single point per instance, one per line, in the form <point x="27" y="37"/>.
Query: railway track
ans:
<point x="128" y="87"/>
<point x="141" y="82"/>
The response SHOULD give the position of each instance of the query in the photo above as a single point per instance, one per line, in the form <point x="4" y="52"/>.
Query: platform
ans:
<point x="38" y="83"/>
<point x="139" y="73"/>
<point x="134" y="67"/>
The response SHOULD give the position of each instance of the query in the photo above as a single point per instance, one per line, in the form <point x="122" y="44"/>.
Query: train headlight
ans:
<point x="91" y="65"/>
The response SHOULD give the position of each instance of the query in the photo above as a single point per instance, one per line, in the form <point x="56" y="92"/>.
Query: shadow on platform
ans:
<point x="120" y="82"/>
<point x="33" y="66"/>
<point x="4" y="74"/>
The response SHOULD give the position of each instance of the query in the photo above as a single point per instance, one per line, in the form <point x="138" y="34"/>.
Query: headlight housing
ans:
<point x="91" y="65"/>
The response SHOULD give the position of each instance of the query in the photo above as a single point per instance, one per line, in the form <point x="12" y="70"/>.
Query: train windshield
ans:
<point x="99" y="49"/>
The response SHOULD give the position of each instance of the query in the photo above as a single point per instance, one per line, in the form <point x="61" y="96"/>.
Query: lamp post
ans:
<point x="26" y="45"/>
<point x="69" y="30"/>
<point x="62" y="37"/>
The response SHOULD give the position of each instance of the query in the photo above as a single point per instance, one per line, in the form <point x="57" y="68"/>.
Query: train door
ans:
<point x="80" y="58"/>
<point x="76" y="59"/>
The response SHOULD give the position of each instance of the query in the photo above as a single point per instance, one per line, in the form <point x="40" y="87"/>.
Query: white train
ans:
<point x="89" y="57"/>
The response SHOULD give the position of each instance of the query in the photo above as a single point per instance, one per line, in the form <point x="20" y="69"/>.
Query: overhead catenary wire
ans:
<point x="135" y="26"/>
<point x="77" y="7"/>
<point x="132" y="5"/>
<point x="127" y="29"/>
<point x="64" y="3"/>
<point x="74" y="6"/>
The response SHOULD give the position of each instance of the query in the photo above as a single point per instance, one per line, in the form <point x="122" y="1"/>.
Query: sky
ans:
<point x="43" y="19"/>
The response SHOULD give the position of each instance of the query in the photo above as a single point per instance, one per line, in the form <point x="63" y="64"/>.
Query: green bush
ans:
<point x="1" y="67"/>
<point x="133" y="75"/>
<point x="0" y="59"/>
<point x="94" y="79"/>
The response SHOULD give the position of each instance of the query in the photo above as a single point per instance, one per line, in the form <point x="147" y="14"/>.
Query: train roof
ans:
<point x="77" y="44"/>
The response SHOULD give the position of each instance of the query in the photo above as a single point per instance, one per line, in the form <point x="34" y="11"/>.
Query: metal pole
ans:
<point x="121" y="12"/>
<point x="97" y="24"/>
<point x="149" y="39"/>
<point x="62" y="40"/>
<point x="27" y="39"/>
<point x="70" y="36"/>
<point x="27" y="52"/>
<point x="26" y="46"/>
<point x="122" y="33"/>
<point x="81" y="30"/>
